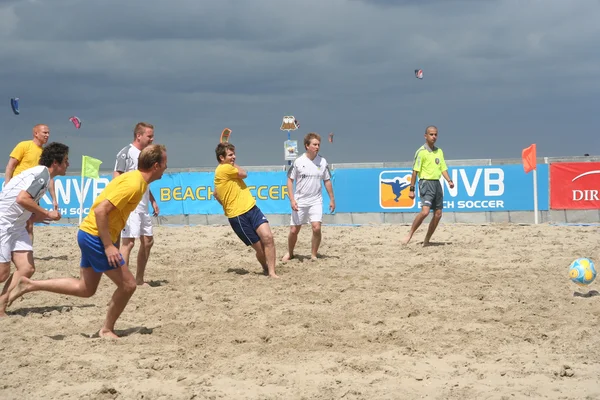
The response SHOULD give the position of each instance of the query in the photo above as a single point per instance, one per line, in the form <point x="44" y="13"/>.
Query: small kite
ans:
<point x="76" y="121"/>
<point x="225" y="135"/>
<point x="14" y="104"/>
<point x="331" y="137"/>
<point x="419" y="73"/>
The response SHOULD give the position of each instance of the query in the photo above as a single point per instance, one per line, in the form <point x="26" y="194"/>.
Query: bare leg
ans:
<point x="292" y="239"/>
<point x="316" y="239"/>
<point x="268" y="247"/>
<point x="127" y="245"/>
<point x="29" y="228"/>
<point x="85" y="286"/>
<point x="259" y="248"/>
<point x="437" y="216"/>
<point x="23" y="261"/>
<point x="416" y="223"/>
<point x="146" y="243"/>
<point x="126" y="286"/>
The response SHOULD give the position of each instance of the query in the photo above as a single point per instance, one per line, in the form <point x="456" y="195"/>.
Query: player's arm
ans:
<point x="116" y="173"/>
<point x="101" y="212"/>
<point x="290" y="189"/>
<point x="242" y="173"/>
<point x="413" y="182"/>
<point x="448" y="179"/>
<point x="52" y="191"/>
<point x="25" y="200"/>
<point x="329" y="188"/>
<point x="154" y="204"/>
<point x="10" y="169"/>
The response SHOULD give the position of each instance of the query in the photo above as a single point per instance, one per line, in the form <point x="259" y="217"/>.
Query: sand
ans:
<point x="487" y="313"/>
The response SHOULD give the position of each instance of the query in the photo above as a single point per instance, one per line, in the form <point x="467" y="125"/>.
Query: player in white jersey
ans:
<point x="306" y="201"/>
<point x="139" y="224"/>
<point x="18" y="205"/>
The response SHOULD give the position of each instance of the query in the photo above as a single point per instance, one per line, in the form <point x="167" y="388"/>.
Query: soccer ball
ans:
<point x="582" y="271"/>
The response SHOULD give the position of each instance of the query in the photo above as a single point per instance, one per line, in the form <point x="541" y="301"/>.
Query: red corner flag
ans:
<point x="529" y="156"/>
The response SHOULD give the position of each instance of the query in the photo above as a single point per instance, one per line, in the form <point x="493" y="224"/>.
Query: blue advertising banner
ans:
<point x="477" y="188"/>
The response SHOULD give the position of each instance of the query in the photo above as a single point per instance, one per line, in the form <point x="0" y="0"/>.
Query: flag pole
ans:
<point x="82" y="197"/>
<point x="535" y="197"/>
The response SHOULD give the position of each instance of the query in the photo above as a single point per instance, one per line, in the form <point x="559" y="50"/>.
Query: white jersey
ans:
<point x="308" y="175"/>
<point x="127" y="160"/>
<point x="34" y="181"/>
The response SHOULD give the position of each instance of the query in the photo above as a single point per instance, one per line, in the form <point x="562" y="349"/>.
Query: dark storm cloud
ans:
<point x="193" y="67"/>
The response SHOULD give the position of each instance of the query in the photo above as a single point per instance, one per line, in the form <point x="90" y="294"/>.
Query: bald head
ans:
<point x="41" y="134"/>
<point x="431" y="134"/>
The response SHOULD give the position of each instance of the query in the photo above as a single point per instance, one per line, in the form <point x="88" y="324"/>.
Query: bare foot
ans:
<point x="426" y="243"/>
<point x="3" y="314"/>
<point x="143" y="284"/>
<point x="19" y="290"/>
<point x="313" y="258"/>
<point x="273" y="276"/>
<point x="107" y="334"/>
<point x="287" y="257"/>
<point x="406" y="239"/>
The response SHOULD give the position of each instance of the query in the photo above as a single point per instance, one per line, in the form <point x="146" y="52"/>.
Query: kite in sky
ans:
<point x="76" y="121"/>
<point x="419" y="73"/>
<point x="14" y="104"/>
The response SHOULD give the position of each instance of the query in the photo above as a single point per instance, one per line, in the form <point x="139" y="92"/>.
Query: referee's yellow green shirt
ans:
<point x="429" y="163"/>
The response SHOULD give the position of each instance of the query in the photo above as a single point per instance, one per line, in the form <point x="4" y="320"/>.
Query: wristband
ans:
<point x="412" y="188"/>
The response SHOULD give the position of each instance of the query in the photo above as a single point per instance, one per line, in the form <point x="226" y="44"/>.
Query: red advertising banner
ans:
<point x="575" y="186"/>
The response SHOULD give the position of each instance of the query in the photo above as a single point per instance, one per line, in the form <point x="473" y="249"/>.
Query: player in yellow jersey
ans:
<point x="97" y="239"/>
<point x="430" y="166"/>
<point x="246" y="219"/>
<point x="25" y="155"/>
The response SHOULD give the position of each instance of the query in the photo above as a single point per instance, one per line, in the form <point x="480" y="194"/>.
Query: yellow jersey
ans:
<point x="232" y="191"/>
<point x="27" y="153"/>
<point x="429" y="163"/>
<point x="124" y="192"/>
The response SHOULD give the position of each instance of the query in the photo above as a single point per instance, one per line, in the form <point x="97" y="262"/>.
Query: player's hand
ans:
<point x="156" y="209"/>
<point x="115" y="259"/>
<point x="411" y="195"/>
<point x="451" y="184"/>
<point x="332" y="206"/>
<point x="54" y="215"/>
<point x="294" y="205"/>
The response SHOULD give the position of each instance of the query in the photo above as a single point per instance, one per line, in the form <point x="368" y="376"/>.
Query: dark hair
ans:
<point x="151" y="155"/>
<point x="222" y="148"/>
<point x="54" y="152"/>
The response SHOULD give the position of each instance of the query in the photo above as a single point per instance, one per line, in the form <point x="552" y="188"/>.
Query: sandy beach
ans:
<point x="487" y="313"/>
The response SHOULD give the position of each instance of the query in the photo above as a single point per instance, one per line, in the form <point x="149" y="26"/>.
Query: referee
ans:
<point x="430" y="166"/>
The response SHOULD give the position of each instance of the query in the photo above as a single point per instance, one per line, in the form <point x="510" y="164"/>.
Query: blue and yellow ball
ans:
<point x="582" y="271"/>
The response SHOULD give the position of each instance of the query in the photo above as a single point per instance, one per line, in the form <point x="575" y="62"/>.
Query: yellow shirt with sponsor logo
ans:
<point x="124" y="192"/>
<point x="232" y="191"/>
<point x="27" y="153"/>
<point x="429" y="163"/>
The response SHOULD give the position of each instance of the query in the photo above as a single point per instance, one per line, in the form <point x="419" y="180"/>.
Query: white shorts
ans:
<point x="306" y="214"/>
<point x="13" y="241"/>
<point x="138" y="224"/>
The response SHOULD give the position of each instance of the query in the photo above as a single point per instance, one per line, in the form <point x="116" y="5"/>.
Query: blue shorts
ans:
<point x="92" y="252"/>
<point x="245" y="225"/>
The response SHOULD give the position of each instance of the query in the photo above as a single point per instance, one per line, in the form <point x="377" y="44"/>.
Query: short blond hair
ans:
<point x="151" y="155"/>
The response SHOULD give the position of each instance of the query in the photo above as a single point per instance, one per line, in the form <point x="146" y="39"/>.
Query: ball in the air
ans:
<point x="582" y="271"/>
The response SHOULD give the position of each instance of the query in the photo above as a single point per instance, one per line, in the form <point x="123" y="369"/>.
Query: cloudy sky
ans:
<point x="498" y="76"/>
